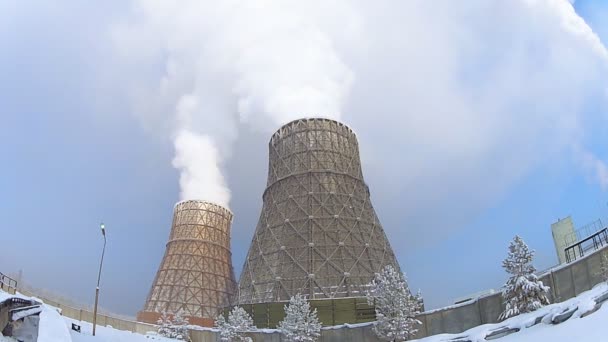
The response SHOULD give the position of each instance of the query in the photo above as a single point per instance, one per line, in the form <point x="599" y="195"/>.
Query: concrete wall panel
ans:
<point x="461" y="318"/>
<point x="580" y="277"/>
<point x="87" y="316"/>
<point x="547" y="280"/>
<point x="421" y="328"/>
<point x="367" y="333"/>
<point x="203" y="336"/>
<point x="594" y="265"/>
<point x="71" y="313"/>
<point x="490" y="308"/>
<point x="564" y="287"/>
<point x="333" y="335"/>
<point x="143" y="328"/>
<point x="434" y="323"/>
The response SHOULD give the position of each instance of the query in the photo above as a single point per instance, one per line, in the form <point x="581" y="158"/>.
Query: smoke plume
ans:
<point x="264" y="63"/>
<point x="486" y="89"/>
<point x="198" y="160"/>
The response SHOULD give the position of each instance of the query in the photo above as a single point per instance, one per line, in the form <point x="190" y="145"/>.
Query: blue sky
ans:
<point x="74" y="153"/>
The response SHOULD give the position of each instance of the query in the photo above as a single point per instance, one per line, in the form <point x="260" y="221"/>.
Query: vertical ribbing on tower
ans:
<point x="196" y="274"/>
<point x="318" y="233"/>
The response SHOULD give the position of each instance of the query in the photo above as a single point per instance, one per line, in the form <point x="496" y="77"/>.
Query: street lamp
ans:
<point x="103" y="232"/>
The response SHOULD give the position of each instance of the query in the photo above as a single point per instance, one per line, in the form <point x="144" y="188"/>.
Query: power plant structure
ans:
<point x="196" y="275"/>
<point x="318" y="233"/>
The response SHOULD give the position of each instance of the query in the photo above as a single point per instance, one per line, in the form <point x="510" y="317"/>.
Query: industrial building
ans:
<point x="318" y="233"/>
<point x="572" y="242"/>
<point x="196" y="274"/>
<point x="563" y="235"/>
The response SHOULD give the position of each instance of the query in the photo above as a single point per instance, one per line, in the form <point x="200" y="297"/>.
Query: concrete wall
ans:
<point x="102" y="320"/>
<point x="565" y="281"/>
<point x="330" y="312"/>
<point x="345" y="333"/>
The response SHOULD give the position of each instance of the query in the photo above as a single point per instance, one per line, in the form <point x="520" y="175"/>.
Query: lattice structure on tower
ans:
<point x="196" y="274"/>
<point x="318" y="233"/>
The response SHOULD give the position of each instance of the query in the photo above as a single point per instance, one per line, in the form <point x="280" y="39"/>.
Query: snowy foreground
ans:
<point x="56" y="328"/>
<point x="50" y="326"/>
<point x="590" y="327"/>
<point x="107" y="334"/>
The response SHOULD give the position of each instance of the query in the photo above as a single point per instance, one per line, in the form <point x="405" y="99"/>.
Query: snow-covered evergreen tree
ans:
<point x="238" y="323"/>
<point x="180" y="327"/>
<point x="300" y="324"/>
<point x="226" y="332"/>
<point x="603" y="272"/>
<point x="523" y="292"/>
<point x="164" y="324"/>
<point x="173" y="327"/>
<point x="396" y="307"/>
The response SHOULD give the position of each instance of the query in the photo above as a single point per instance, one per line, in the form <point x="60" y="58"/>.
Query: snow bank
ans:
<point x="52" y="326"/>
<point x="24" y="313"/>
<point x="107" y="334"/>
<point x="5" y="295"/>
<point x="580" y="322"/>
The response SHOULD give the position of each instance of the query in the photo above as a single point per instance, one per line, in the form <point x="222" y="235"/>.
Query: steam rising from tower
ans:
<point x="196" y="274"/>
<point x="227" y="63"/>
<point x="318" y="233"/>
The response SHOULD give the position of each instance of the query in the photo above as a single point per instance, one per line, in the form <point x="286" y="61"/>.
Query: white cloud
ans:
<point x="451" y="101"/>
<point x="596" y="167"/>
<point x="458" y="102"/>
<point x="264" y="63"/>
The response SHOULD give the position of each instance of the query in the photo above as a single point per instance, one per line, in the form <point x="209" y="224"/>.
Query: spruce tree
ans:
<point x="300" y="323"/>
<point x="523" y="292"/>
<point x="603" y="272"/>
<point x="238" y="323"/>
<point x="174" y="326"/>
<point x="396" y="307"/>
<point x="180" y="327"/>
<point x="164" y="324"/>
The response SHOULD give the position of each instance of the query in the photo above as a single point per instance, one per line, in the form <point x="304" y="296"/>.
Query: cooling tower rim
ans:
<point x="311" y="118"/>
<point x="203" y="201"/>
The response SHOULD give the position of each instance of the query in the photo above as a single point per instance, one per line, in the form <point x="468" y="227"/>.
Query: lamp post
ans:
<point x="103" y="232"/>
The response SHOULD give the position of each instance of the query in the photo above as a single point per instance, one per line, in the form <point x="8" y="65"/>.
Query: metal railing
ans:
<point x="7" y="283"/>
<point x="583" y="232"/>
<point x="592" y="242"/>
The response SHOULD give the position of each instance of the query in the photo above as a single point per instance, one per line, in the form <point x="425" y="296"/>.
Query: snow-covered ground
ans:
<point x="50" y="326"/>
<point x="591" y="327"/>
<point x="107" y="334"/>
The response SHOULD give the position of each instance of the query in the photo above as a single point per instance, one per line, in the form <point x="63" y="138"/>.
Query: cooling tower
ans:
<point x="196" y="274"/>
<point x="318" y="233"/>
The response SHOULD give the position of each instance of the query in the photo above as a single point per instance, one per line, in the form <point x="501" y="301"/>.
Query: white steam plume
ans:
<point x="486" y="89"/>
<point x="264" y="63"/>
<point x="198" y="161"/>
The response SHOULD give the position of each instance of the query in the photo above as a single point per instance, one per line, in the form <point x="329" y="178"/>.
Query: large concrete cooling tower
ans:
<point x="318" y="233"/>
<point x="196" y="273"/>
